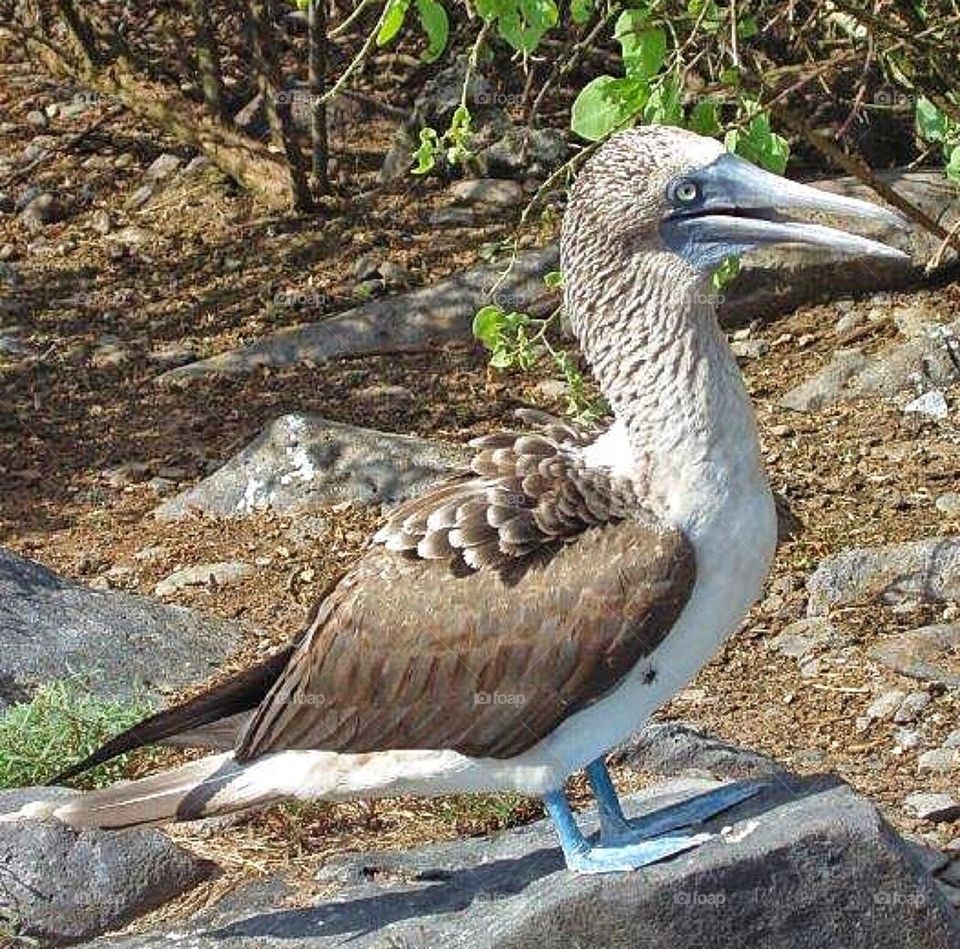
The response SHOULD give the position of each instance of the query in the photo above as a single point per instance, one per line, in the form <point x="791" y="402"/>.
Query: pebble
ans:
<point x="451" y="217"/>
<point x="911" y="708"/>
<point x="162" y="486"/>
<point x="906" y="738"/>
<point x="953" y="739"/>
<point x="44" y="209"/>
<point x="492" y="192"/>
<point x="37" y="118"/>
<point x="551" y="389"/>
<point x="139" y="197"/>
<point x="220" y="574"/>
<point x="124" y="161"/>
<point x="932" y="404"/>
<point x="932" y="806"/>
<point x="8" y="252"/>
<point x="848" y="322"/>
<point x="750" y="348"/>
<point x="939" y="759"/>
<point x="162" y="167"/>
<point x="100" y="222"/>
<point x="886" y="705"/>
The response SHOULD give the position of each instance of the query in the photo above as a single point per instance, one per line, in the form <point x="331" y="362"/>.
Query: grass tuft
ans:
<point x="61" y="724"/>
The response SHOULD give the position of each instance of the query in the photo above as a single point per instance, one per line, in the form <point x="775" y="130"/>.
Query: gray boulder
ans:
<point x="121" y="644"/>
<point x="61" y="885"/>
<point x="927" y="570"/>
<point x="301" y="461"/>
<point x="810" y="865"/>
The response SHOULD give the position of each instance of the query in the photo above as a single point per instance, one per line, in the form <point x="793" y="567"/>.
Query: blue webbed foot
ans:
<point x="617" y="831"/>
<point x="631" y="856"/>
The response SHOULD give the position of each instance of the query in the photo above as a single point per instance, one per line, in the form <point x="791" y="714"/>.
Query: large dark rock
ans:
<point x="59" y="885"/>
<point x="809" y="865"/>
<point x="120" y="644"/>
<point x="300" y="461"/>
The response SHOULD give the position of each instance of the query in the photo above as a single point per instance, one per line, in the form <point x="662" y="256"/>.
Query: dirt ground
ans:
<point x="205" y="277"/>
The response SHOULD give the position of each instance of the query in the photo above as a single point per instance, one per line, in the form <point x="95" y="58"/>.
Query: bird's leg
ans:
<point x="581" y="857"/>
<point x="616" y="830"/>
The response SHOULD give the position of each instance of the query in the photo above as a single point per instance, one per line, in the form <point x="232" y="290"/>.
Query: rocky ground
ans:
<point x="121" y="258"/>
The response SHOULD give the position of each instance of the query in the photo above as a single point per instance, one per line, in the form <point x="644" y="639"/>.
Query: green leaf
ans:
<point x="932" y="124"/>
<point x="643" y="49"/>
<point x="524" y="24"/>
<point x="605" y="104"/>
<point x="436" y="24"/>
<point x="725" y="273"/>
<point x="705" y="118"/>
<point x="488" y="326"/>
<point x="580" y="10"/>
<point x="759" y="144"/>
<point x="393" y="21"/>
<point x="425" y="157"/>
<point x="730" y="76"/>
<point x="747" y="27"/>
<point x="707" y="13"/>
<point x="953" y="166"/>
<point x="502" y="359"/>
<point x="554" y="279"/>
<point x="664" y="106"/>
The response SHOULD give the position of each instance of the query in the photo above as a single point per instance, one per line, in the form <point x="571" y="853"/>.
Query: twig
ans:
<point x="357" y="60"/>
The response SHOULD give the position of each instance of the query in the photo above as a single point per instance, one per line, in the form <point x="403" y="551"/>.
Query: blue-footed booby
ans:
<point x="521" y="618"/>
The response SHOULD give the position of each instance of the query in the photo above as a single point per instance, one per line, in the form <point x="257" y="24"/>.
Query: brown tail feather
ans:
<point x="203" y="788"/>
<point x="239" y="694"/>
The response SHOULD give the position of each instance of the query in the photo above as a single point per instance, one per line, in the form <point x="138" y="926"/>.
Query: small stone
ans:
<point x="100" y="222"/>
<point x="552" y="390"/>
<point x="934" y="807"/>
<point x="885" y="706"/>
<point x="931" y="404"/>
<point x="383" y="394"/>
<point x="133" y="236"/>
<point x="939" y="760"/>
<point x="162" y="486"/>
<point x="220" y="574"/>
<point x="394" y="275"/>
<point x="781" y="431"/>
<point x="848" y="322"/>
<point x="452" y="217"/>
<point x="162" y="167"/>
<point x="130" y="472"/>
<point x="911" y="708"/>
<point x="750" y="348"/>
<point x="492" y="192"/>
<point x="367" y="267"/>
<point x="139" y="197"/>
<point x="42" y="210"/>
<point x="8" y="252"/>
<point x="151" y="554"/>
<point x="37" y="118"/>
<point x="952" y="740"/>
<point x="800" y="638"/>
<point x="915" y="320"/>
<point x="124" y="161"/>
<point x="906" y="739"/>
<point x="948" y="503"/>
<point x="109" y="355"/>
<point x="7" y="204"/>
<point x="196" y="165"/>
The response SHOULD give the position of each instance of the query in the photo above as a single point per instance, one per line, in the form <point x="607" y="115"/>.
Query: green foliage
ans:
<point x="62" y="723"/>
<point x="453" y="145"/>
<point x="936" y="127"/>
<point x="726" y="272"/>
<point x="522" y="23"/>
<point x="518" y="341"/>
<point x="433" y="21"/>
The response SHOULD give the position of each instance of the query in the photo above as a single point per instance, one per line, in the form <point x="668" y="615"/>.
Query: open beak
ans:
<point x="742" y="207"/>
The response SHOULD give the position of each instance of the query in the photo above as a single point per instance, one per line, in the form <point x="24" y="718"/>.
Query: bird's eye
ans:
<point x="685" y="191"/>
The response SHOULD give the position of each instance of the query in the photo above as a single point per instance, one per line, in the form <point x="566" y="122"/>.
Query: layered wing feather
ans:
<point x="490" y="609"/>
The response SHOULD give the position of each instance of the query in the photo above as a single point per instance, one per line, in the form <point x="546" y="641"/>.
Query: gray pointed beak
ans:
<point x="741" y="207"/>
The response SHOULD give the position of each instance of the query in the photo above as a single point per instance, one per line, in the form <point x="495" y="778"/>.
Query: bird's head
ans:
<point x="663" y="192"/>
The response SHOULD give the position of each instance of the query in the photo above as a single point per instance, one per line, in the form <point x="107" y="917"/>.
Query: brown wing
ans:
<point x="532" y="623"/>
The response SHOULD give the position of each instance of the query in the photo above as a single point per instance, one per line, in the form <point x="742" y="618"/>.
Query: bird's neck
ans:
<point x="649" y="331"/>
